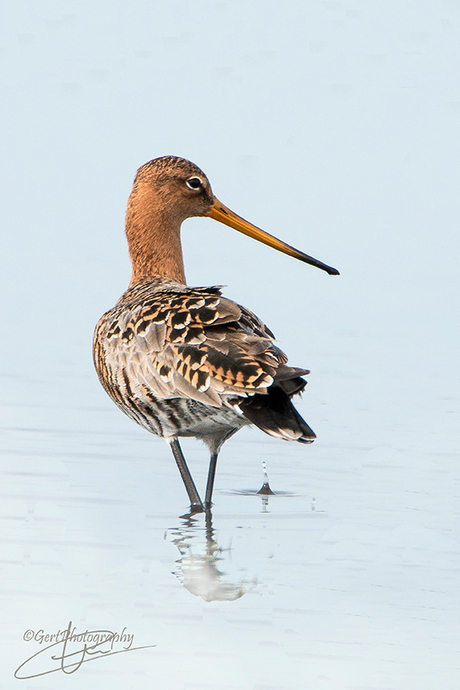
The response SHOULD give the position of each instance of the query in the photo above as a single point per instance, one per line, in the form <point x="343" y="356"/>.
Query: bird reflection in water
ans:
<point x="203" y="562"/>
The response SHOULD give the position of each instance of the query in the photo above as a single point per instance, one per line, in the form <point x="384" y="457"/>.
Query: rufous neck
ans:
<point x="154" y="243"/>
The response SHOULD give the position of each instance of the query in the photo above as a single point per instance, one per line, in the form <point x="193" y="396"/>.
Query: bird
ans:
<point x="186" y="361"/>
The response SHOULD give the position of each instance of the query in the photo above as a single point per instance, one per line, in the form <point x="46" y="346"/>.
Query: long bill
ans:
<point x="223" y="214"/>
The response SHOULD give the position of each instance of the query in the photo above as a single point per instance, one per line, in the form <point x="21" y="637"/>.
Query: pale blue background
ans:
<point x="334" y="125"/>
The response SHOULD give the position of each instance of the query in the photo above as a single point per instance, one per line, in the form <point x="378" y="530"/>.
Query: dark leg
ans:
<point x="210" y="484"/>
<point x="195" y="501"/>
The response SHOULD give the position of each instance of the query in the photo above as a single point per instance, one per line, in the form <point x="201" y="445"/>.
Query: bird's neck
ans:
<point x="153" y="235"/>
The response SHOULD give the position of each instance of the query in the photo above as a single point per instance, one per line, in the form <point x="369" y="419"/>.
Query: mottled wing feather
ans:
<point x="175" y="341"/>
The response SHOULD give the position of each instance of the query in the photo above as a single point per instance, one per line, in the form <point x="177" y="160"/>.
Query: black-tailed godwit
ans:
<point x="185" y="361"/>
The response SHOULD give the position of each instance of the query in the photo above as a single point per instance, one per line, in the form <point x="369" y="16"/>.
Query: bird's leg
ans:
<point x="210" y="483"/>
<point x="195" y="500"/>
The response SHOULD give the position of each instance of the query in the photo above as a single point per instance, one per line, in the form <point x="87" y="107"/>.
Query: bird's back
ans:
<point x="184" y="361"/>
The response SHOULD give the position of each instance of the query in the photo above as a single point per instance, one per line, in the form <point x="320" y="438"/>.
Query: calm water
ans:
<point x="347" y="578"/>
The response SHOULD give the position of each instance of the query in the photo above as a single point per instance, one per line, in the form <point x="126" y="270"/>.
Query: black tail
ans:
<point x="276" y="415"/>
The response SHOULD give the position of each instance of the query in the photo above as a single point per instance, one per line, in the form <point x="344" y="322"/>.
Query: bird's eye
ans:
<point x="194" y="183"/>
